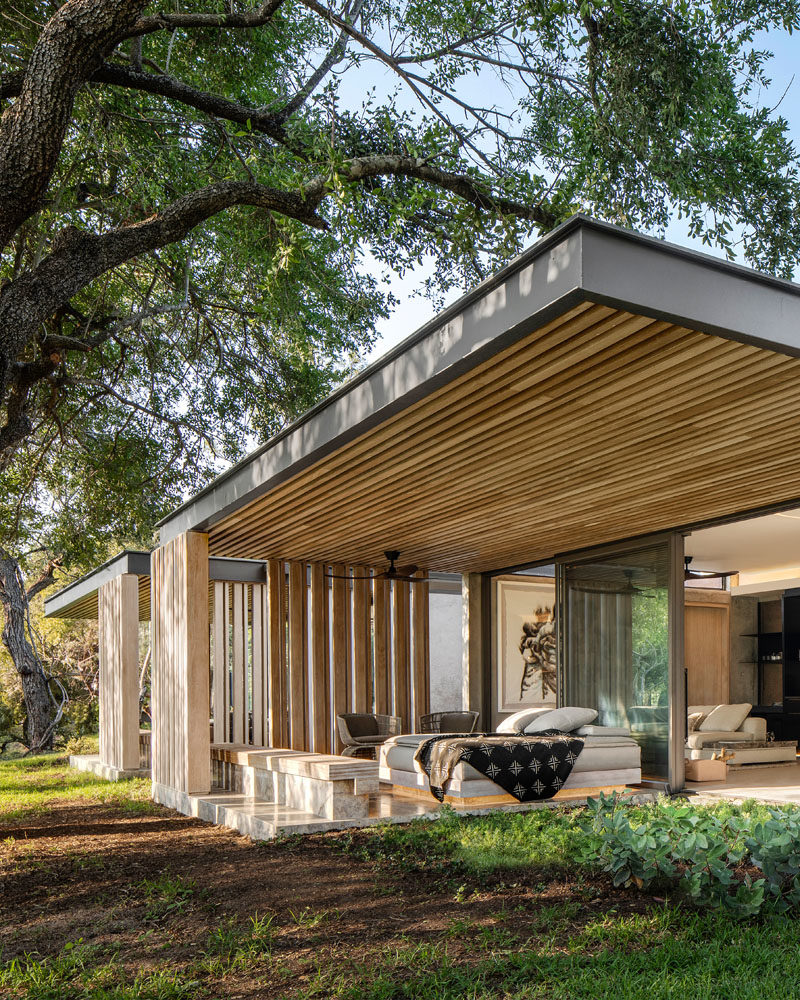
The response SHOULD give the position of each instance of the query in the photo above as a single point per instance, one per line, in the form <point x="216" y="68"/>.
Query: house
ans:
<point x="566" y="425"/>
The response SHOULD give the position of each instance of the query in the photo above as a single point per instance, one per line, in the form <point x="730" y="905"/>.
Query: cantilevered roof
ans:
<point x="79" y="599"/>
<point x="604" y="385"/>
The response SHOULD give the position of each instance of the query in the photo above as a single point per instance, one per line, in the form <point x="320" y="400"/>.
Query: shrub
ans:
<point x="743" y="863"/>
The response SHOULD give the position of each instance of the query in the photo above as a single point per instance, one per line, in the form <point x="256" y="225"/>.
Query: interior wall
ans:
<point x="446" y="652"/>
<point x="707" y="646"/>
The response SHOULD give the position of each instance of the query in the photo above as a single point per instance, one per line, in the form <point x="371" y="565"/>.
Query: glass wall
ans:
<point x="615" y="644"/>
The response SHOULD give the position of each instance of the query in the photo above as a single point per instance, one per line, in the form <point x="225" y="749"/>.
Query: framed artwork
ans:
<point x="526" y="643"/>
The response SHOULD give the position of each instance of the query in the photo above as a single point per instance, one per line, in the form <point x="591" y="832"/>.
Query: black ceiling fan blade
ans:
<point x="704" y="574"/>
<point x="407" y="570"/>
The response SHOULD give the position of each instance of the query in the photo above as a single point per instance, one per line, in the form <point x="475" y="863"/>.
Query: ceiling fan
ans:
<point x="704" y="574"/>
<point x="628" y="589"/>
<point x="400" y="574"/>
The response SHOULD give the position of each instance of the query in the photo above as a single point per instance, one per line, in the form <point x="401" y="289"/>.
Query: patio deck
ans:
<point x="266" y="820"/>
<point x="779" y="783"/>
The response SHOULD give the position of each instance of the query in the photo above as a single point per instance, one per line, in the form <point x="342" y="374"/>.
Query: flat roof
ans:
<point x="581" y="261"/>
<point x="79" y="599"/>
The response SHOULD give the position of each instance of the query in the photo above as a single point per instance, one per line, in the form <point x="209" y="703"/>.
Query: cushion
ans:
<point x="725" y="717"/>
<point x="694" y="720"/>
<point x="700" y="739"/>
<point x="566" y="719"/>
<point x="516" y="723"/>
<point x="705" y="709"/>
<point x="602" y="731"/>
<point x="361" y="725"/>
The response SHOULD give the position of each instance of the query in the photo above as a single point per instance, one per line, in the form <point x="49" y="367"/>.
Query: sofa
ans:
<point x="732" y="723"/>
<point x="610" y="759"/>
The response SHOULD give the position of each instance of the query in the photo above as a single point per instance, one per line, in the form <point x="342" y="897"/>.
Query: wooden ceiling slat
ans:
<point x="601" y="425"/>
<point x="366" y="494"/>
<point x="443" y="431"/>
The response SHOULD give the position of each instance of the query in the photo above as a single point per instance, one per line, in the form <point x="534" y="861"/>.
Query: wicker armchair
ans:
<point x="363" y="732"/>
<point x="448" y="722"/>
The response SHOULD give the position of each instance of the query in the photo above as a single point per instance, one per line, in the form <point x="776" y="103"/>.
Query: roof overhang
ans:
<point x="583" y="261"/>
<point x="79" y="599"/>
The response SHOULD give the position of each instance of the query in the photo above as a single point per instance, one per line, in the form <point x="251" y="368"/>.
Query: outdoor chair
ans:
<point x="448" y="722"/>
<point x="364" y="732"/>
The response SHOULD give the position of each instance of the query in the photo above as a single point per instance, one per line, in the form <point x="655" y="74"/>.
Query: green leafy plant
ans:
<point x="743" y="863"/>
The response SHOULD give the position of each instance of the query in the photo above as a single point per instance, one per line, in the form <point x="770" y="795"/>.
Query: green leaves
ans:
<point x="707" y="855"/>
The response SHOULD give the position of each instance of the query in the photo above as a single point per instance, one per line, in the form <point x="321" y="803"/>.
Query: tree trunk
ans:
<point x="39" y="706"/>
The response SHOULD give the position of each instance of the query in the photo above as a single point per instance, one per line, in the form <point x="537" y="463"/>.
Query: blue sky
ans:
<point x="415" y="310"/>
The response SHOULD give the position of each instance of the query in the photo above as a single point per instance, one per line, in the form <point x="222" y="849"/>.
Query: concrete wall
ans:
<point x="446" y="658"/>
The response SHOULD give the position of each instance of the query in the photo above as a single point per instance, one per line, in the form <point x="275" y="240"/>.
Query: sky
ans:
<point x="414" y="310"/>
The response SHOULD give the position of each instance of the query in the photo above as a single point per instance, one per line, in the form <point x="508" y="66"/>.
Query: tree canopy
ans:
<point x="187" y="195"/>
<point x="198" y="204"/>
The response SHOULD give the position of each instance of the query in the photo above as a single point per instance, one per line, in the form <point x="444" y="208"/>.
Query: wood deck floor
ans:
<point x="767" y="783"/>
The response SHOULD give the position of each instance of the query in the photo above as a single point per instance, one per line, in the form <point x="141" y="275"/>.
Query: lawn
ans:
<point x="107" y="896"/>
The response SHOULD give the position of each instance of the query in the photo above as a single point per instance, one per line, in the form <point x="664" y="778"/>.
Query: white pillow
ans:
<point x="516" y="723"/>
<point x="725" y="718"/>
<point x="566" y="719"/>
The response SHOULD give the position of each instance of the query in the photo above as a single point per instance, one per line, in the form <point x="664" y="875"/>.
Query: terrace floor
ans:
<point x="767" y="783"/>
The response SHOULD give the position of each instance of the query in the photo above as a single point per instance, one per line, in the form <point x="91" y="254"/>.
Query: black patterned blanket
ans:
<point x="528" y="767"/>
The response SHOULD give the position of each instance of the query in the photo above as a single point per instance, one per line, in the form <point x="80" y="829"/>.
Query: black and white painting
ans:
<point x="526" y="643"/>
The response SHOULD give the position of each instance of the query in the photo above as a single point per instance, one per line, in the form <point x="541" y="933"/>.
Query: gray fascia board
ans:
<point x="581" y="260"/>
<point x="691" y="289"/>
<point x="136" y="563"/>
<point x="237" y="570"/>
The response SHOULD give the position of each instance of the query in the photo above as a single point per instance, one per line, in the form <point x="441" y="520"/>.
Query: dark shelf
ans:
<point x="760" y="635"/>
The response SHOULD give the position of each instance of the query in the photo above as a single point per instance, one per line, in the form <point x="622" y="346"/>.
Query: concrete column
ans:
<point x="118" y="622"/>
<point x="472" y="645"/>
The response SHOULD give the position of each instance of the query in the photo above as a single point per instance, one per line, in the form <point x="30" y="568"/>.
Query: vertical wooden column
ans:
<point x="179" y="602"/>
<point x="402" y="648"/>
<point x="258" y="620"/>
<point x="239" y="657"/>
<point x="340" y="643"/>
<point x="362" y="666"/>
<point x="220" y="707"/>
<point x="118" y="621"/>
<point x="383" y="674"/>
<point x="298" y="661"/>
<point x="320" y="665"/>
<point x="420" y="637"/>
<point x="472" y="646"/>
<point x="276" y="654"/>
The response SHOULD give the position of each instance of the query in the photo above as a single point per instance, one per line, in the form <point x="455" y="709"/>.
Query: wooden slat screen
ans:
<point x="313" y="642"/>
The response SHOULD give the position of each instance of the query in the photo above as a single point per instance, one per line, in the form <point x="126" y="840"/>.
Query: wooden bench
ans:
<point x="326" y="785"/>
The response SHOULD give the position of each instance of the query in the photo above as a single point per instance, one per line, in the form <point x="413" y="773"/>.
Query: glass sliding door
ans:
<point x="618" y="650"/>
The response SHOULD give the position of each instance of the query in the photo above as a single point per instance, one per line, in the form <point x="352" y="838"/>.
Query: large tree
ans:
<point x="188" y="196"/>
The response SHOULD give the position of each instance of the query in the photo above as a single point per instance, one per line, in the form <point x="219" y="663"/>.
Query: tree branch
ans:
<point x="47" y="579"/>
<point x="334" y="56"/>
<point x="32" y="129"/>
<point x="170" y="22"/>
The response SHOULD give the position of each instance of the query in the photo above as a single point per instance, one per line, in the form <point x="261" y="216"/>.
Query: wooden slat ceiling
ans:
<point x="601" y="425"/>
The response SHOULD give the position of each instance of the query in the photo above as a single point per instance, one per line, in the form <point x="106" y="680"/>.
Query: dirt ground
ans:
<point x="81" y="872"/>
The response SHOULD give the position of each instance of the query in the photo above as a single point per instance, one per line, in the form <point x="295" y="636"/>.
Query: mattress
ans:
<point x="604" y="760"/>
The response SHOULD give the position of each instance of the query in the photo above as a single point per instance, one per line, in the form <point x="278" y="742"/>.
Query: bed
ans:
<point x="610" y="761"/>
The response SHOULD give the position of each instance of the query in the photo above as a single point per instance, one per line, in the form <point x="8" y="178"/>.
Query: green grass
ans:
<point x="526" y="921"/>
<point x="34" y="785"/>
<point x="663" y="955"/>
